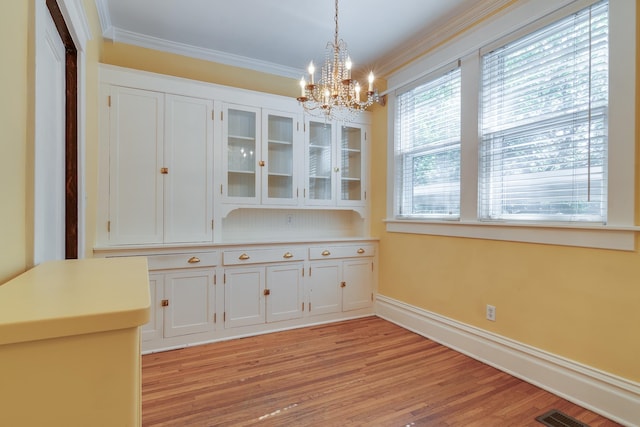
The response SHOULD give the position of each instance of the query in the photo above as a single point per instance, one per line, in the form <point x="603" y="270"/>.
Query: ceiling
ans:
<point x="281" y="36"/>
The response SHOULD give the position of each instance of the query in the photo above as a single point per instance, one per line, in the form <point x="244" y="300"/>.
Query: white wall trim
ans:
<point x="77" y="23"/>
<point x="611" y="396"/>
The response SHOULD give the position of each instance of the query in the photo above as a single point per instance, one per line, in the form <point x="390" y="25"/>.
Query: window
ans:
<point x="546" y="142"/>
<point x="428" y="148"/>
<point x="543" y="148"/>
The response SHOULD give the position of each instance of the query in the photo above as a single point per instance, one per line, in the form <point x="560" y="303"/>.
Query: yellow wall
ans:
<point x="14" y="41"/>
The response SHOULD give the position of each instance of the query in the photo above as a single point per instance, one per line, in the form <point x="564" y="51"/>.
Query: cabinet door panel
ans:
<point x="135" y="159"/>
<point x="191" y="302"/>
<point x="189" y="159"/>
<point x="324" y="288"/>
<point x="284" y="301"/>
<point x="358" y="279"/>
<point x="241" y="154"/>
<point x="244" y="299"/>
<point x="320" y="162"/>
<point x="153" y="329"/>
<point x="280" y="152"/>
<point x="351" y="158"/>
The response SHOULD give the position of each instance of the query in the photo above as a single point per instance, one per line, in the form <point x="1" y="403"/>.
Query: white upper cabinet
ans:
<point x="241" y="145"/>
<point x="280" y="152"/>
<point x="160" y="167"/>
<point x="188" y="185"/>
<point x="320" y="161"/>
<point x="259" y="153"/>
<point x="351" y="157"/>
<point x="136" y="155"/>
<point x="335" y="164"/>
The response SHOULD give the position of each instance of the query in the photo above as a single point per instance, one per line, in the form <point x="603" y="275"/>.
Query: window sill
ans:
<point x="596" y="236"/>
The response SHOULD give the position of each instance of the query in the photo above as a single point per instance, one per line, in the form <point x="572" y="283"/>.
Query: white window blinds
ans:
<point x="427" y="153"/>
<point x="543" y="148"/>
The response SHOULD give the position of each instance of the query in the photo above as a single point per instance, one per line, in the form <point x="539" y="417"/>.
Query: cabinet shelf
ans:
<point x="346" y="178"/>
<point x="319" y="177"/>
<point x="280" y="142"/>
<point x="243" y="172"/>
<point x="284" y="175"/>
<point x="351" y="150"/>
<point x="242" y="138"/>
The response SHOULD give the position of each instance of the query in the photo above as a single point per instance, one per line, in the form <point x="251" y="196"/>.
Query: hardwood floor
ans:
<point x="364" y="372"/>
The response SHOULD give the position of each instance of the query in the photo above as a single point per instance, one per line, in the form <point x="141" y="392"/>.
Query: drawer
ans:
<point x="258" y="256"/>
<point x="190" y="260"/>
<point x="348" y="251"/>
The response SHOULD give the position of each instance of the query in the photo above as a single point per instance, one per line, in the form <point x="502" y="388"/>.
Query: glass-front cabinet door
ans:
<point x="351" y="156"/>
<point x="241" y="132"/>
<point x="320" y="163"/>
<point x="280" y="171"/>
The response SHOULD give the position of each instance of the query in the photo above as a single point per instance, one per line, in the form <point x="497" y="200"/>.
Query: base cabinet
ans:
<point x="255" y="295"/>
<point x="183" y="300"/>
<point x="336" y="286"/>
<point x="228" y="292"/>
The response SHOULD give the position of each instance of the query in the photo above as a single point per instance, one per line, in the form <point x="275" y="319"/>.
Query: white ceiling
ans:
<point x="282" y="36"/>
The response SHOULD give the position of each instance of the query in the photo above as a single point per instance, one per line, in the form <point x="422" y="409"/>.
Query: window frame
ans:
<point x="507" y="25"/>
<point x="407" y="156"/>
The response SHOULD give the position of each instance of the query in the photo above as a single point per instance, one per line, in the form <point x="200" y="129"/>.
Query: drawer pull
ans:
<point x="325" y="253"/>
<point x="193" y="260"/>
<point x="287" y="255"/>
<point x="360" y="251"/>
<point x="244" y="257"/>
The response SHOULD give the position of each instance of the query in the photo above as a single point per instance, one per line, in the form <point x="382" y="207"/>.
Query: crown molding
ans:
<point x="105" y="19"/>
<point x="434" y="36"/>
<point x="123" y="36"/>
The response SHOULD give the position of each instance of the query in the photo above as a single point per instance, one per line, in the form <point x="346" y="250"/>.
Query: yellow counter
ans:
<point x="70" y="344"/>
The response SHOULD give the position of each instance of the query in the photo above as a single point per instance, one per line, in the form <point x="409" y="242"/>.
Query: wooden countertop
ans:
<point x="64" y="298"/>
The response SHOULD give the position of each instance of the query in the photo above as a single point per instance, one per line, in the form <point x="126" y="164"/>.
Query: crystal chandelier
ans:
<point x="336" y="95"/>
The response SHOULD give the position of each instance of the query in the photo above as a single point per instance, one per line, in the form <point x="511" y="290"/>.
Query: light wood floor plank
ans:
<point x="364" y="372"/>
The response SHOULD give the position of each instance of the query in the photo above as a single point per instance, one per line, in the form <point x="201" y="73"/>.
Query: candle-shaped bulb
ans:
<point x="303" y="84"/>
<point x="348" y="65"/>
<point x="371" y="81"/>
<point x="326" y="96"/>
<point x="312" y="69"/>
<point x="357" y="89"/>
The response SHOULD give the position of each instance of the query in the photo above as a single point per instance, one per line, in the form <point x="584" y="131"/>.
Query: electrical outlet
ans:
<point x="491" y="313"/>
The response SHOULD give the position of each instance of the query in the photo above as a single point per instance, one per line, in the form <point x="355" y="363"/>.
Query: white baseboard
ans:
<point x="613" y="397"/>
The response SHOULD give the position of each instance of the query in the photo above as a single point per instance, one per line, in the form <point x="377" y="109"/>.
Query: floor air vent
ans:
<point x="555" y="418"/>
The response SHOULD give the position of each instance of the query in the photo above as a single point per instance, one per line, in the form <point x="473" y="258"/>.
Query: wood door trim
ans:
<point x="71" y="131"/>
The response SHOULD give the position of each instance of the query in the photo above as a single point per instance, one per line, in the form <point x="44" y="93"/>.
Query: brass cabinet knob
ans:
<point x="343" y="284"/>
<point x="261" y="163"/>
<point x="287" y="255"/>
<point x="164" y="303"/>
<point x="325" y="253"/>
<point x="244" y="257"/>
<point x="193" y="260"/>
<point x="164" y="171"/>
<point x="360" y="251"/>
<point x="267" y="292"/>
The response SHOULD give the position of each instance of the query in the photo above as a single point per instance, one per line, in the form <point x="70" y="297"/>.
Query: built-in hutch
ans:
<point x="253" y="215"/>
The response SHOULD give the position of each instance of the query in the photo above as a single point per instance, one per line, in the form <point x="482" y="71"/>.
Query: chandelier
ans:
<point x="335" y="95"/>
